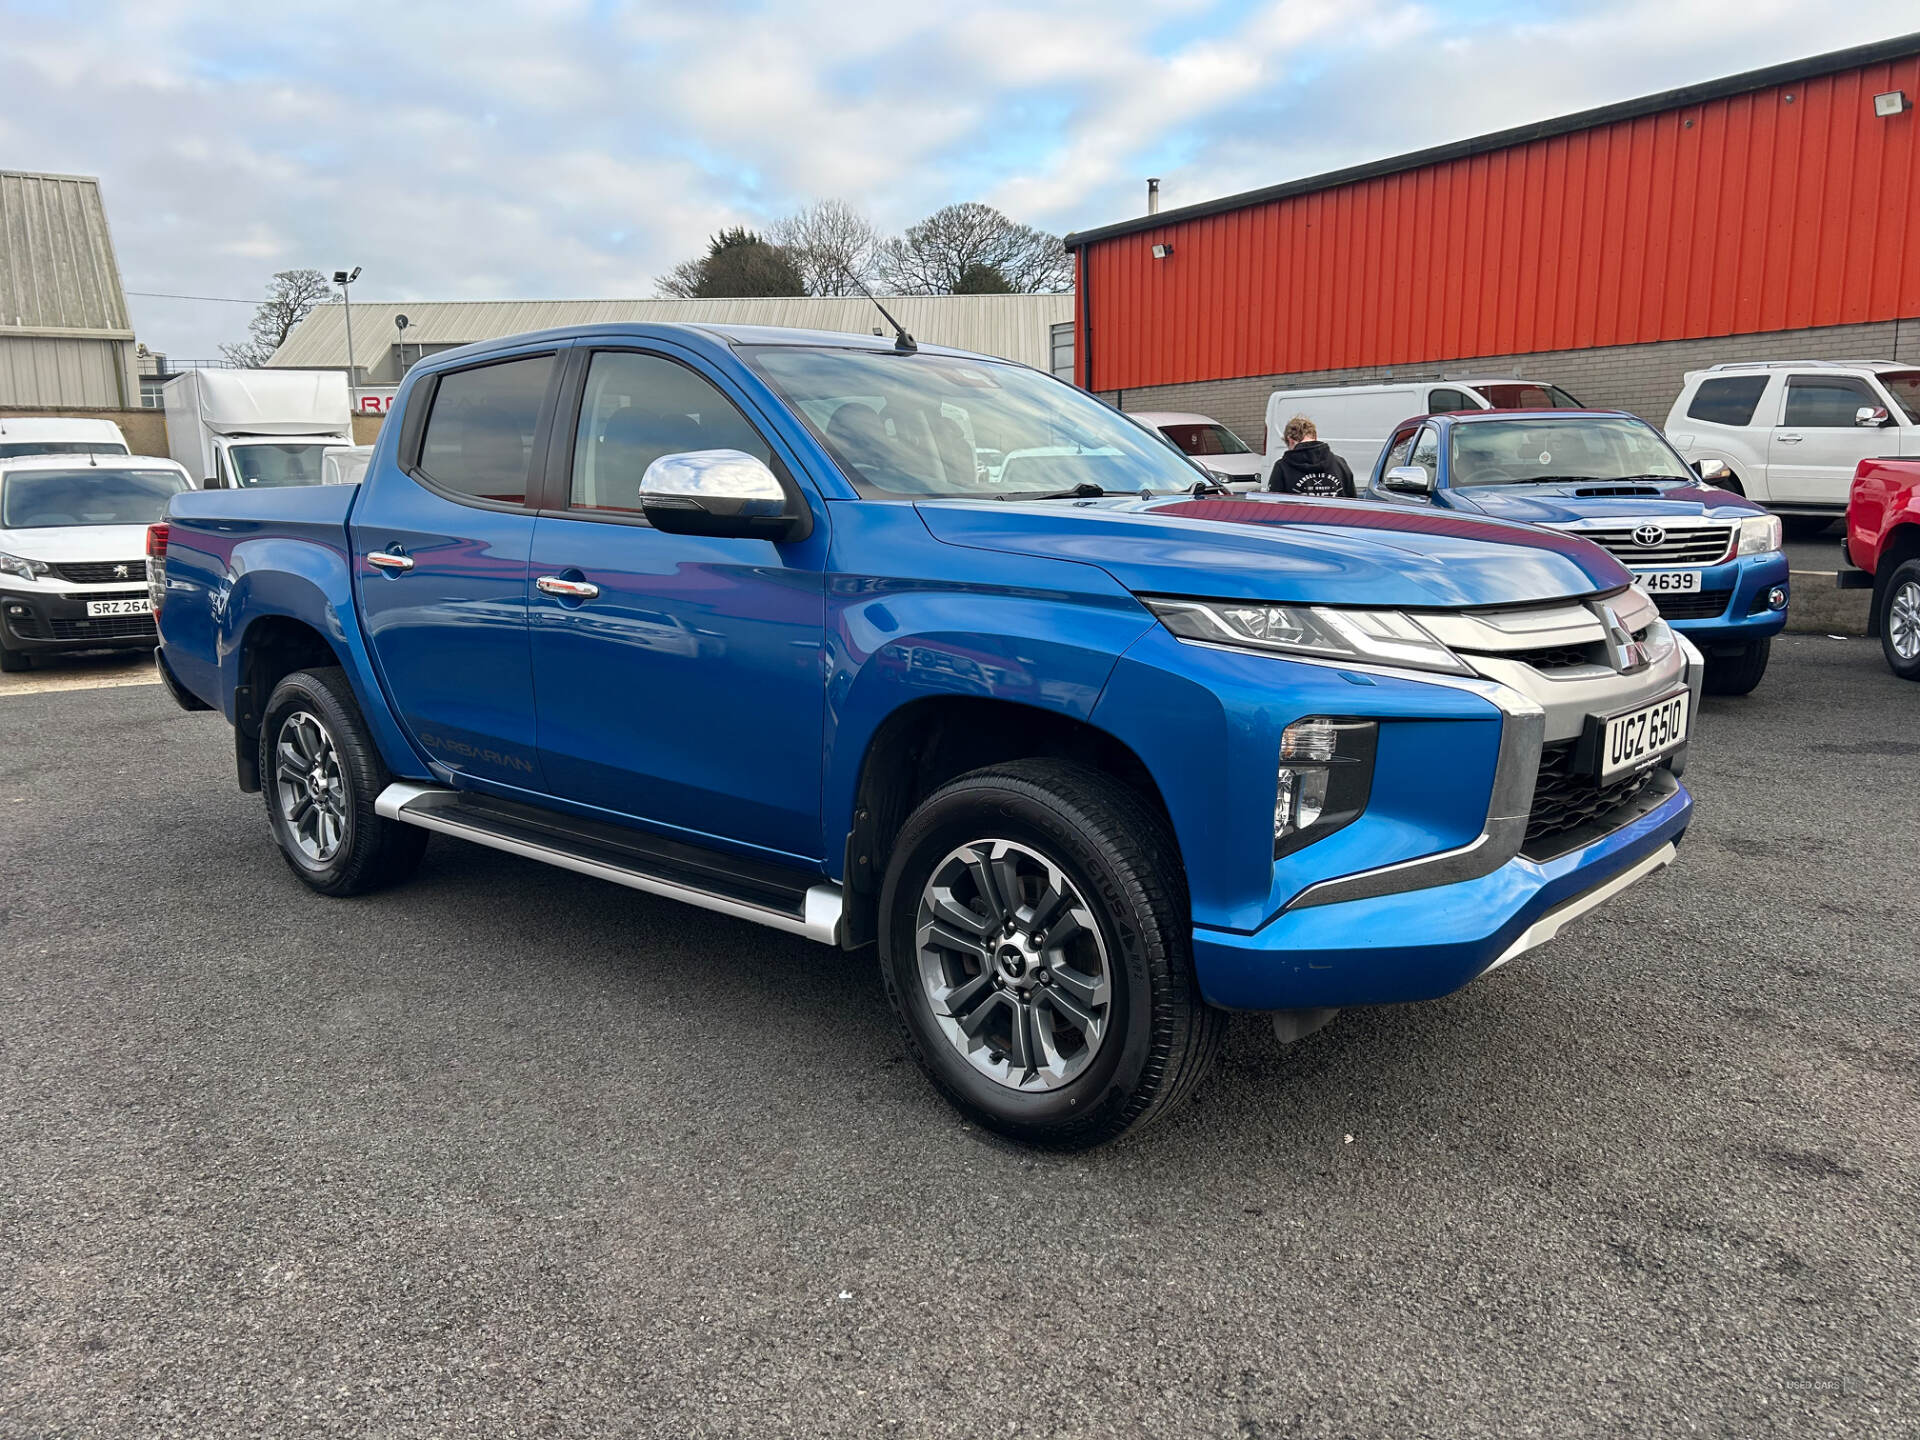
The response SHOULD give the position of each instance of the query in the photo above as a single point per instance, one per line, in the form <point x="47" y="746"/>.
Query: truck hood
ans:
<point x="1282" y="548"/>
<point x="72" y="544"/>
<point x="1561" y="503"/>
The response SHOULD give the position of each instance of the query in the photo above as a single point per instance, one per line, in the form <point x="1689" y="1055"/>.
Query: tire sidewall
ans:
<point x="1906" y="573"/>
<point x="304" y="690"/>
<point x="1000" y="810"/>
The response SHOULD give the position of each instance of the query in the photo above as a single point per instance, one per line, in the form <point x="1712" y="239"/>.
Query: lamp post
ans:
<point x="344" y="279"/>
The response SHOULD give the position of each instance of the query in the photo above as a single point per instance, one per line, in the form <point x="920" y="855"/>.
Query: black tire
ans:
<point x="1902" y="588"/>
<point x="370" y="852"/>
<point x="1738" y="673"/>
<point x="12" y="662"/>
<point x="1159" y="1036"/>
<point x="1805" y="527"/>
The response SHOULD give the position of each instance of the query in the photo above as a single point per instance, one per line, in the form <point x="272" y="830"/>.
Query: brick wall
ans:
<point x="146" y="430"/>
<point x="1642" y="378"/>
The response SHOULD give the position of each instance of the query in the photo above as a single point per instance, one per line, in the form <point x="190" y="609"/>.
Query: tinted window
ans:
<point x="1826" y="402"/>
<point x="1729" y="401"/>
<point x="1441" y="401"/>
<point x="37" y="499"/>
<point x="1904" y="385"/>
<point x="479" y="438"/>
<point x="1204" y="439"/>
<point x="1398" y="448"/>
<point x="638" y="408"/>
<point x="1522" y="396"/>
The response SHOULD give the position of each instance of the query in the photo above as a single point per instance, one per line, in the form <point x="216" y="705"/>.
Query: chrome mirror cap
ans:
<point x="1870" y="416"/>
<point x="720" y="493"/>
<point x="1711" y="470"/>
<point x="1408" y="480"/>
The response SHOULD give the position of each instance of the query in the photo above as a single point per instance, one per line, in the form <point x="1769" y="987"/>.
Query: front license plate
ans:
<point x="138" y="606"/>
<point x="1638" y="737"/>
<point x="1670" y="582"/>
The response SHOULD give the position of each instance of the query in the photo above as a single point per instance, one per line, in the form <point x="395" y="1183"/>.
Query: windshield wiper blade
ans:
<point x="1085" y="490"/>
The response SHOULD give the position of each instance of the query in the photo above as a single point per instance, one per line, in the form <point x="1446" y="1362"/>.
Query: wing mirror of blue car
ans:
<point x="1872" y="417"/>
<point x="723" y="493"/>
<point x="1407" y="480"/>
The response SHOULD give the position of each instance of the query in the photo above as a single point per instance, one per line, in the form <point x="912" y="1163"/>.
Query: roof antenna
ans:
<point x="902" y="341"/>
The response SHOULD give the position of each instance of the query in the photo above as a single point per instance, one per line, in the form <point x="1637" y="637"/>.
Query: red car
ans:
<point x="1883" y="540"/>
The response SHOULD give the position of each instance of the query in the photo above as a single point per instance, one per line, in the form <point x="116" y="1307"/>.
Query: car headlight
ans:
<point x="1379" y="637"/>
<point x="1758" y="535"/>
<point x="26" y="569"/>
<point x="1325" y="777"/>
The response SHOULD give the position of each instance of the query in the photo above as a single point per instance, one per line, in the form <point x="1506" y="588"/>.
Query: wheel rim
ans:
<point x="310" y="786"/>
<point x="1903" y="621"/>
<point x="1014" y="965"/>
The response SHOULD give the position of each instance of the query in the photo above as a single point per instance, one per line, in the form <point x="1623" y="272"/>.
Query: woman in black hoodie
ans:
<point x="1309" y="466"/>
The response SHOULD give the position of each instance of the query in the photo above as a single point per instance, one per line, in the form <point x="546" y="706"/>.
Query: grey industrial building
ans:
<point x="66" y="341"/>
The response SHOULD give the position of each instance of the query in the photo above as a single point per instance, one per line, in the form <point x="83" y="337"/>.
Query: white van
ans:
<point x="1355" y="420"/>
<point x="55" y="435"/>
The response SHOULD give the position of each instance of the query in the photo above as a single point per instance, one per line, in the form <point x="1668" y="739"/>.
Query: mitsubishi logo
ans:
<point x="1624" y="653"/>
<point x="1648" y="535"/>
<point x="121" y="572"/>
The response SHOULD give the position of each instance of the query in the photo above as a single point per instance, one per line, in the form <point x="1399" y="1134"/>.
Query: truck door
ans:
<point x="440" y="545"/>
<point x="1818" y="441"/>
<point x="686" y="690"/>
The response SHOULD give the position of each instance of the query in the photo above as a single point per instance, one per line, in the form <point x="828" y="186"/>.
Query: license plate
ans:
<point x="1669" y="582"/>
<point x="1636" y="738"/>
<point x="140" y="605"/>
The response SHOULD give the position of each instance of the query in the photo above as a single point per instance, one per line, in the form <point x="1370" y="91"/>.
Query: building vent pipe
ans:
<point x="1153" y="194"/>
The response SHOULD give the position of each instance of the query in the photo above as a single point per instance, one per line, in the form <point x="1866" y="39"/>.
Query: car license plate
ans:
<point x="1636" y="738"/>
<point x="139" y="605"/>
<point x="1669" y="582"/>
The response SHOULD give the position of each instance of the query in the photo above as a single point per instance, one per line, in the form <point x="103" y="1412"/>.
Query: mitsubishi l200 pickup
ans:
<point x="1088" y="751"/>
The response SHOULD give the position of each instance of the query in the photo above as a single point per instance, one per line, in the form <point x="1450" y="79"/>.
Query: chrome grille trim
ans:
<point x="1688" y="542"/>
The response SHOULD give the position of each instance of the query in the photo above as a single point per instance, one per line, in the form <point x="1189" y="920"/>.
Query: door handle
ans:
<point x="391" y="561"/>
<point x="567" y="589"/>
<point x="1789" y="439"/>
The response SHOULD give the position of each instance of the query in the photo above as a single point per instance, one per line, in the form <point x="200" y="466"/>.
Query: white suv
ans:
<point x="1792" y="431"/>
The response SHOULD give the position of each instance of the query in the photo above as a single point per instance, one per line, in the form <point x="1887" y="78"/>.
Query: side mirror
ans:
<point x="1872" y="417"/>
<point x="1712" y="472"/>
<point x="725" y="493"/>
<point x="212" y="482"/>
<point x="1407" y="480"/>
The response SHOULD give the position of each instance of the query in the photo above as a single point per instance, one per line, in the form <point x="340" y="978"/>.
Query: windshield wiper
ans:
<point x="1085" y="490"/>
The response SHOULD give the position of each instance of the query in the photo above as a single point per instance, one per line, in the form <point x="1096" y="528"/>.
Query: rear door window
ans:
<point x="1826" y="402"/>
<point x="479" y="439"/>
<point x="1441" y="401"/>
<point x="1730" y="400"/>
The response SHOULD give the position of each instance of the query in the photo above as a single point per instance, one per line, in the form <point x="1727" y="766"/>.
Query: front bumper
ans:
<point x="1743" y="614"/>
<point x="46" y="621"/>
<point x="1422" y="944"/>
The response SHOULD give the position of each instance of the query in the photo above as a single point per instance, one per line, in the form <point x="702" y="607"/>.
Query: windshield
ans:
<point x="943" y="426"/>
<point x="1519" y="396"/>
<point x="263" y="465"/>
<point x="1904" y="386"/>
<point x="14" y="450"/>
<point x="1520" y="452"/>
<point x="1205" y="439"/>
<point x="40" y="499"/>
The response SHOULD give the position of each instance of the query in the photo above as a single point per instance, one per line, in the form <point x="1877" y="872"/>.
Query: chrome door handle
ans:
<point x="568" y="589"/>
<point x="390" y="560"/>
<point x="1789" y="439"/>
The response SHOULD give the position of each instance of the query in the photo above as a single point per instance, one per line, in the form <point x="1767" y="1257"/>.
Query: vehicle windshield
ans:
<point x="264" y="465"/>
<point x="1522" y="452"/>
<point x="41" y="499"/>
<point x="1205" y="439"/>
<point x="1522" y="396"/>
<point x="13" y="450"/>
<point x="950" y="427"/>
<point x="1904" y="386"/>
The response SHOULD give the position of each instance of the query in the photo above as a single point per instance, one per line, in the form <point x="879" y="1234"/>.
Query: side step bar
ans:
<point x="433" y="807"/>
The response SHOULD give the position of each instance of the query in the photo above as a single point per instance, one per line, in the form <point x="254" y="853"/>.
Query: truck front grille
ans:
<point x="103" y="572"/>
<point x="112" y="627"/>
<point x="1565" y="800"/>
<point x="1691" y="545"/>
<point x="1705" y="605"/>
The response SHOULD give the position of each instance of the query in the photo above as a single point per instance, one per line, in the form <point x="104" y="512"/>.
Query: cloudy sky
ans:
<point x="580" y="147"/>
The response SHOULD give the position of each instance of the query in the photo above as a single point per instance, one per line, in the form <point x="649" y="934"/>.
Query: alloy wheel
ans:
<point x="1014" y="964"/>
<point x="310" y="786"/>
<point x="1903" y="621"/>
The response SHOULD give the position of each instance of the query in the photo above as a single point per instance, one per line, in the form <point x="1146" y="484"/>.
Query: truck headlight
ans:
<point x="26" y="569"/>
<point x="1380" y="637"/>
<point x="1758" y="535"/>
<point x="1325" y="776"/>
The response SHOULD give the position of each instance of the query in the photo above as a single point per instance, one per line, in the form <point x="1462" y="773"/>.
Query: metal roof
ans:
<point x="1879" y="52"/>
<point x="57" y="272"/>
<point x="1014" y="327"/>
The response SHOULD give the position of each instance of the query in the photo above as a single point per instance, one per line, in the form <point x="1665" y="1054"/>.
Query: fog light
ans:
<point x="1325" y="776"/>
<point x="1777" y="598"/>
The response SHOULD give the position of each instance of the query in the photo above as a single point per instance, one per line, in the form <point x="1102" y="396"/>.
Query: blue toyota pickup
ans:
<point x="891" y="646"/>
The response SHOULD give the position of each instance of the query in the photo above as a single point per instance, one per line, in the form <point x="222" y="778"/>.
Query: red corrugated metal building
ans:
<point x="1767" y="215"/>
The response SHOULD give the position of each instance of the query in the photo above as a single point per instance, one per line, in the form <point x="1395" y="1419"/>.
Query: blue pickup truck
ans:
<point x="891" y="646"/>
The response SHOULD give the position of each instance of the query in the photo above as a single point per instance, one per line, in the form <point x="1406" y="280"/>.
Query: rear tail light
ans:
<point x="156" y="566"/>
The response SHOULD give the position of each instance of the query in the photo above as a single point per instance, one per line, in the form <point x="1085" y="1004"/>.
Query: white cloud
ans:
<point x="569" y="147"/>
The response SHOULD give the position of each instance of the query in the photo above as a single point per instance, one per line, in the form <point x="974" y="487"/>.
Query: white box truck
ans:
<point x="243" y="429"/>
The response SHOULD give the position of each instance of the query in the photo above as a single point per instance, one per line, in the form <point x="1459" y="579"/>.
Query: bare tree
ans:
<point x="293" y="295"/>
<point x="935" y="256"/>
<point x="831" y="244"/>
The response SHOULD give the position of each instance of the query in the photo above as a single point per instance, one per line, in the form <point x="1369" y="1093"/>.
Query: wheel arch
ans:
<point x="1902" y="544"/>
<point x="271" y="648"/>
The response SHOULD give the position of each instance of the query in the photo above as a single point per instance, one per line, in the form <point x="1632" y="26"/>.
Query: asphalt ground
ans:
<point x="509" y="1152"/>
